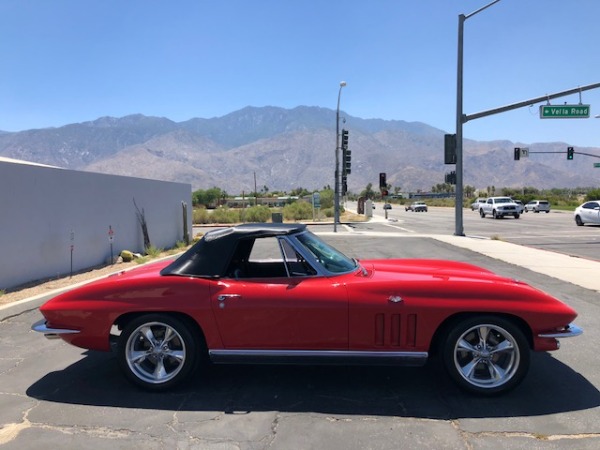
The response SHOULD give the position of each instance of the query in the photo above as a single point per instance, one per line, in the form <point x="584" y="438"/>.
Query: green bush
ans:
<point x="200" y="215"/>
<point x="594" y="194"/>
<point x="298" y="211"/>
<point x="224" y="215"/>
<point x="256" y="214"/>
<point x="153" y="251"/>
<point x="329" y="212"/>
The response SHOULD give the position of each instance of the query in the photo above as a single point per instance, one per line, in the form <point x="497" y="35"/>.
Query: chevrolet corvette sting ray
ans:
<point x="278" y="294"/>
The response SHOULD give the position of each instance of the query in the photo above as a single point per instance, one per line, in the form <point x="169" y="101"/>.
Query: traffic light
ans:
<point x="450" y="178"/>
<point x="344" y="139"/>
<point x="344" y="185"/>
<point x="347" y="158"/>
<point x="384" y="193"/>
<point x="449" y="149"/>
<point x="517" y="153"/>
<point x="382" y="180"/>
<point x="570" y="152"/>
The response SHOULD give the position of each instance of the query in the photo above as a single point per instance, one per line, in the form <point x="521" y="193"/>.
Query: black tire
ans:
<point x="486" y="355"/>
<point x="494" y="215"/>
<point x="481" y="213"/>
<point x="578" y="221"/>
<point x="517" y="215"/>
<point x="158" y="351"/>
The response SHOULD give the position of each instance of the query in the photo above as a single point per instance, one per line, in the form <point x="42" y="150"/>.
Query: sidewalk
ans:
<point x="579" y="271"/>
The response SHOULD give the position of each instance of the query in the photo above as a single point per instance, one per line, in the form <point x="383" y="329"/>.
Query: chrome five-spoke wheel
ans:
<point x="486" y="355"/>
<point x="157" y="352"/>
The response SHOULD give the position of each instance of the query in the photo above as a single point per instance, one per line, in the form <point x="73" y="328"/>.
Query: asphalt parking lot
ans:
<point x="56" y="395"/>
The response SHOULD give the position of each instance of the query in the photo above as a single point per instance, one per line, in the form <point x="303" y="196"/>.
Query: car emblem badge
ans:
<point x="395" y="299"/>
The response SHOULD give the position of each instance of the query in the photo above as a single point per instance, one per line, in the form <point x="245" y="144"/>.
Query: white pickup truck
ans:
<point x="499" y="207"/>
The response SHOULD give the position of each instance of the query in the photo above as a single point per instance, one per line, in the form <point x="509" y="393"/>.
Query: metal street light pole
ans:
<point x="336" y="194"/>
<point x="460" y="119"/>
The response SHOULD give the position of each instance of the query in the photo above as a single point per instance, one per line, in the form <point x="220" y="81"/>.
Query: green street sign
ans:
<point x="564" y="111"/>
<point x="596" y="164"/>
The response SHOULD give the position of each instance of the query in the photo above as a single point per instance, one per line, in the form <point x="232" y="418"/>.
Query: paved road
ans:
<point x="55" y="395"/>
<point x="554" y="231"/>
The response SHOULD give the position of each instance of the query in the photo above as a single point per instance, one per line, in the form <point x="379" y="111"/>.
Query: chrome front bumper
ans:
<point x="51" y="333"/>
<point x="570" y="330"/>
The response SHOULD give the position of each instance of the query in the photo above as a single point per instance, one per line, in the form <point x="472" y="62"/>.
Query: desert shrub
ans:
<point x="328" y="212"/>
<point x="153" y="251"/>
<point x="200" y="215"/>
<point x="298" y="211"/>
<point x="224" y="215"/>
<point x="256" y="214"/>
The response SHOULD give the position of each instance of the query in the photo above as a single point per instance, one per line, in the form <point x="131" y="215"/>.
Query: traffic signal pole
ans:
<point x="462" y="118"/>
<point x="336" y="193"/>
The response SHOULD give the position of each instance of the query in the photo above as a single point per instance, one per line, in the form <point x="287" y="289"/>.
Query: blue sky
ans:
<point x="67" y="61"/>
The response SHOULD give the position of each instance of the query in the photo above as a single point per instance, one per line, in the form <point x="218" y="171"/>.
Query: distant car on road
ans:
<point x="477" y="203"/>
<point x="589" y="212"/>
<point x="416" y="207"/>
<point x="538" y="206"/>
<point x="387" y="206"/>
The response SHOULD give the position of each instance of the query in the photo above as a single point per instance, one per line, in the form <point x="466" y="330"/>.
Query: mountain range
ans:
<point x="286" y="149"/>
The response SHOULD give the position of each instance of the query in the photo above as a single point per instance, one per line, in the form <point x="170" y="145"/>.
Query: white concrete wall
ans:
<point x="45" y="210"/>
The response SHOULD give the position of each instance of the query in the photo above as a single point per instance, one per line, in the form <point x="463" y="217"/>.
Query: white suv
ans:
<point x="538" y="206"/>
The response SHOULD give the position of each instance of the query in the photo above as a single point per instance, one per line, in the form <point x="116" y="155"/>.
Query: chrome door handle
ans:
<point x="224" y="297"/>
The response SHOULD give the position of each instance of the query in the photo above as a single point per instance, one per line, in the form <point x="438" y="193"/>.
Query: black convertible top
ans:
<point x="210" y="256"/>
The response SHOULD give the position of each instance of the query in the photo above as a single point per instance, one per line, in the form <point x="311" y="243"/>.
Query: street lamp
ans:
<point x="460" y="119"/>
<point x="336" y="194"/>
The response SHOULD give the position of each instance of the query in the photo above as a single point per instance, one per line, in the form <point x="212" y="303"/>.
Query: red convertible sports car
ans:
<point x="277" y="294"/>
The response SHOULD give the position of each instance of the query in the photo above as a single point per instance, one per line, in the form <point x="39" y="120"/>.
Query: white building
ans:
<point x="54" y="221"/>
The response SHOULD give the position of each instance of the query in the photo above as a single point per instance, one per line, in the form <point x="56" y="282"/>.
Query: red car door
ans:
<point x="308" y="313"/>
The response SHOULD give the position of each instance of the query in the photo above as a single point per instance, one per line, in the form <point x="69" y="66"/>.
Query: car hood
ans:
<point x="411" y="268"/>
<point x="442" y="278"/>
<point x="445" y="280"/>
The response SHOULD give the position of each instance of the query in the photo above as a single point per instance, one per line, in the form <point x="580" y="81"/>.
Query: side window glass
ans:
<point x="296" y="264"/>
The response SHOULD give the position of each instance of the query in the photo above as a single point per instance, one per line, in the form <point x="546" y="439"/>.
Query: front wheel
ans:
<point x="157" y="352"/>
<point x="517" y="215"/>
<point x="578" y="221"/>
<point x="486" y="355"/>
<point x="481" y="213"/>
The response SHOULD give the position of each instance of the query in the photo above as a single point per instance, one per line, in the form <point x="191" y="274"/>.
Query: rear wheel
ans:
<point x="157" y="352"/>
<point x="486" y="355"/>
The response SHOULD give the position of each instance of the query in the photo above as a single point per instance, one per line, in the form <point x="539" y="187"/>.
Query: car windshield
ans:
<point x="330" y="258"/>
<point x="503" y="200"/>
